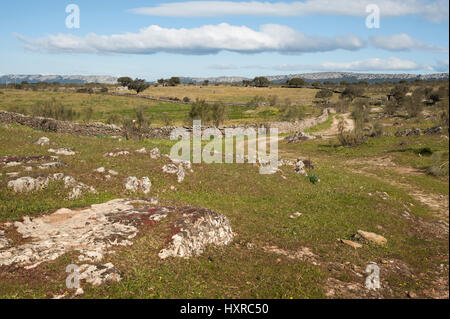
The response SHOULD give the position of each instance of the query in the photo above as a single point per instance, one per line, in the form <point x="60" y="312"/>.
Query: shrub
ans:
<point x="167" y="120"/>
<point x="390" y="108"/>
<point x="313" y="179"/>
<point x="186" y="99"/>
<point x="54" y="109"/>
<point x="257" y="101"/>
<point x="104" y="90"/>
<point x="439" y="166"/>
<point x="413" y="107"/>
<point x="292" y="113"/>
<point x="272" y="99"/>
<point x="113" y="119"/>
<point x="88" y="114"/>
<point x="353" y="138"/>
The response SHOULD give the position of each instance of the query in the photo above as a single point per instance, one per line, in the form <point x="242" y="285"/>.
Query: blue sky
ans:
<point x="231" y="38"/>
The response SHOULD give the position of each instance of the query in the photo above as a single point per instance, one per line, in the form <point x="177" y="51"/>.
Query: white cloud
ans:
<point x="403" y="42"/>
<point x="374" y="64"/>
<point x="221" y="66"/>
<point x="207" y="39"/>
<point x="433" y="10"/>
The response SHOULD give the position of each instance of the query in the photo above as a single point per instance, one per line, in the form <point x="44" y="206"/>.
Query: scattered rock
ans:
<point x="43" y="141"/>
<point x="113" y="172"/>
<point x="4" y="242"/>
<point x="121" y="153"/>
<point x="155" y="153"/>
<point x="350" y="243"/>
<point x="141" y="151"/>
<point x="197" y="229"/>
<point x="300" y="167"/>
<point x="13" y="164"/>
<point x="28" y="184"/>
<point x="100" y="170"/>
<point x="303" y="254"/>
<point x="99" y="274"/>
<point x="51" y="165"/>
<point x="170" y="169"/>
<point x="180" y="174"/>
<point x="370" y="237"/>
<point x="298" y="137"/>
<point x="133" y="184"/>
<point x="12" y="174"/>
<point x="409" y="132"/>
<point x="62" y="151"/>
<point x="433" y="130"/>
<point x="295" y="215"/>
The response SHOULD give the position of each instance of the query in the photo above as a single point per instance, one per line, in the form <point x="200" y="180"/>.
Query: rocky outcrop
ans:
<point x="198" y="228"/>
<point x="133" y="184"/>
<point x="95" y="231"/>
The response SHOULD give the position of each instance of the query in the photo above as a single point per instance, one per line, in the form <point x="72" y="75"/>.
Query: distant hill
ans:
<point x="309" y="77"/>
<point x="331" y="77"/>
<point x="80" y="79"/>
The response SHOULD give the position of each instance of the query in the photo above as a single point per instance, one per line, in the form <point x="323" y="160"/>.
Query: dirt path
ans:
<point x="349" y="125"/>
<point x="438" y="203"/>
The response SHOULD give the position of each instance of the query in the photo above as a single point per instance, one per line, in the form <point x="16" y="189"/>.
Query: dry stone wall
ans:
<point x="96" y="129"/>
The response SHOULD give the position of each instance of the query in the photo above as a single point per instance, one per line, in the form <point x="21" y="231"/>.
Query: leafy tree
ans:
<point x="399" y="93"/>
<point x="206" y="83"/>
<point x="261" y="81"/>
<point x="125" y="81"/>
<point x="138" y="85"/>
<point x="174" y="81"/>
<point x="324" y="94"/>
<point x="296" y="83"/>
<point x="351" y="92"/>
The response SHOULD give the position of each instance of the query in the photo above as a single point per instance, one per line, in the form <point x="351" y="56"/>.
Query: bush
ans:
<point x="256" y="102"/>
<point x="313" y="179"/>
<point x="88" y="114"/>
<point x="439" y="166"/>
<point x="413" y="107"/>
<point x="207" y="113"/>
<point x="353" y="138"/>
<point x="292" y="113"/>
<point x="138" y="127"/>
<point x="113" y="119"/>
<point x="55" y="110"/>
<point x="104" y="90"/>
<point x="272" y="99"/>
<point x="390" y="108"/>
<point x="186" y="99"/>
<point x="167" y="120"/>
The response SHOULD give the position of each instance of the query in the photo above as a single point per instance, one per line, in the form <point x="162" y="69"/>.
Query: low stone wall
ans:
<point x="52" y="125"/>
<point x="95" y="129"/>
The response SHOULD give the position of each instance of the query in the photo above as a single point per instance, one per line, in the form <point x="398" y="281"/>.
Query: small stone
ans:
<point x="100" y="170"/>
<point x="155" y="153"/>
<point x="43" y="141"/>
<point x="141" y="151"/>
<point x="62" y="151"/>
<point x="79" y="291"/>
<point x="371" y="237"/>
<point x="350" y="243"/>
<point x="113" y="172"/>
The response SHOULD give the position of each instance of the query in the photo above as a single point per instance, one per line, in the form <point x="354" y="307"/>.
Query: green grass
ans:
<point x="258" y="210"/>
<point x="118" y="107"/>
